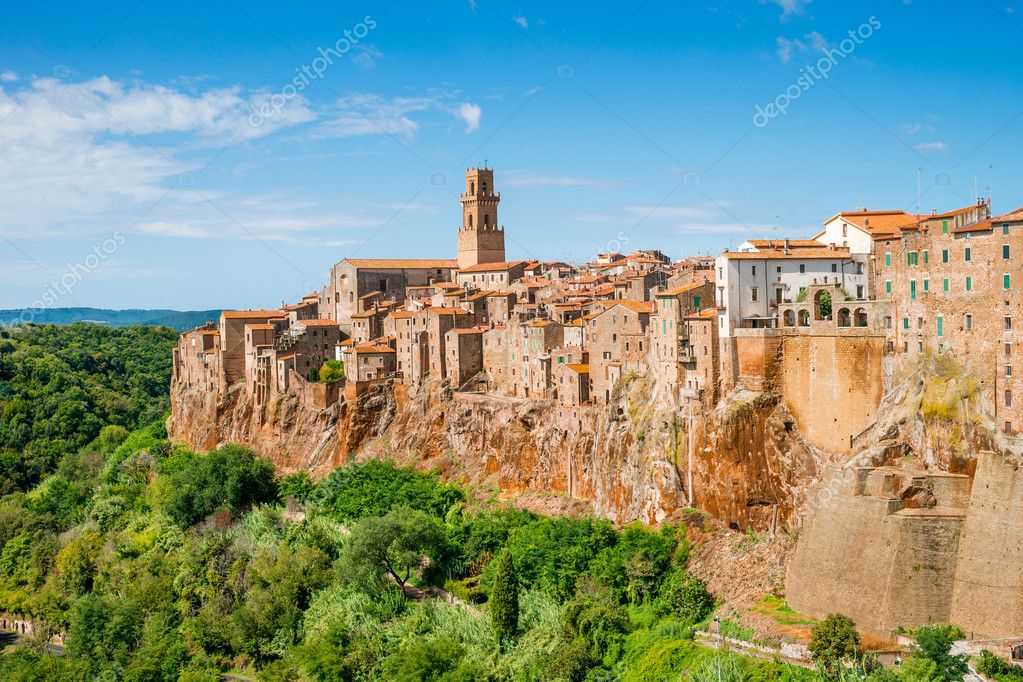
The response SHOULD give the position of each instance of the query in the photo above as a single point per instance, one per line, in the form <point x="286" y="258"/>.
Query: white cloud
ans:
<point x="366" y="56"/>
<point x="811" y="42"/>
<point x="470" y="113"/>
<point x="790" y="8"/>
<point x="8" y="76"/>
<point x="521" y="21"/>
<point x="360" y="115"/>
<point x="909" y="129"/>
<point x="925" y="147"/>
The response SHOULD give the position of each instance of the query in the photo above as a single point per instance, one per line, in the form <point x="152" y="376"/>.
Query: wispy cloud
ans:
<point x="787" y="48"/>
<point x="936" y="147"/>
<point x="8" y="76"/>
<point x="521" y="20"/>
<point x="359" y="114"/>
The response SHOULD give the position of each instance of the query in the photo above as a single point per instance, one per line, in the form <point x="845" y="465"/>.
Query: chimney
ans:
<point x="786" y="246"/>
<point x="934" y="211"/>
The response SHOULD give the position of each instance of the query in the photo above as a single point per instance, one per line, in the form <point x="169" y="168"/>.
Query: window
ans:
<point x="1008" y="370"/>
<point x="1007" y="323"/>
<point x="888" y="260"/>
<point x="927" y="285"/>
<point x="968" y="322"/>
<point x="944" y="255"/>
<point x="1005" y="228"/>
<point x="754" y="269"/>
<point x="944" y="227"/>
<point x="888" y="286"/>
<point x="859" y="291"/>
<point x="927" y="257"/>
<point x="912" y="289"/>
<point x="905" y="323"/>
<point x="696" y="302"/>
<point x="1006" y="281"/>
<point x="1005" y="251"/>
<point x="888" y="322"/>
<point x="969" y="284"/>
<point x="754" y="294"/>
<point x="1008" y="349"/>
<point x="966" y="254"/>
<point x="834" y="267"/>
<point x="941" y="325"/>
<point x="1008" y="428"/>
<point x="944" y="284"/>
<point x="802" y="268"/>
<point x="1008" y="398"/>
<point x="919" y="323"/>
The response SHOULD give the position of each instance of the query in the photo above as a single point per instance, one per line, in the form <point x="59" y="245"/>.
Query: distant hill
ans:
<point x="180" y="320"/>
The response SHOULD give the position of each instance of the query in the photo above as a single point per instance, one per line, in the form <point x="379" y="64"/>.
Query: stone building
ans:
<point x="955" y="286"/>
<point x="493" y="276"/>
<point x="618" y="344"/>
<point x="353" y="278"/>
<point x="465" y="354"/>
<point x="197" y="358"/>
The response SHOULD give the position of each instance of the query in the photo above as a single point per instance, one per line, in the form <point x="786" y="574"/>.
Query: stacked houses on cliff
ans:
<point x="881" y="282"/>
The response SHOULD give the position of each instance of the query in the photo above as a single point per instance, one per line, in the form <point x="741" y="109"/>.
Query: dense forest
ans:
<point x="152" y="562"/>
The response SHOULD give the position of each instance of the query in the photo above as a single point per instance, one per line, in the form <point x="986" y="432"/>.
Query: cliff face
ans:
<point x="642" y="457"/>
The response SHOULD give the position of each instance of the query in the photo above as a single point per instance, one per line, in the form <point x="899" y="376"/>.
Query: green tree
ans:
<point x="595" y="616"/>
<point x="687" y="596"/>
<point x="833" y="641"/>
<point x="919" y="669"/>
<point x="504" y="599"/>
<point x="332" y="371"/>
<point x="934" y="642"/>
<point x="396" y="544"/>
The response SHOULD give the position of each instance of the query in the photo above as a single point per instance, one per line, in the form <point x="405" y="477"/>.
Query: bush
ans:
<point x="375" y="488"/>
<point x="687" y="596"/>
<point x="997" y="667"/>
<point x="332" y="371"/>
<point x="934" y="642"/>
<point x="833" y="641"/>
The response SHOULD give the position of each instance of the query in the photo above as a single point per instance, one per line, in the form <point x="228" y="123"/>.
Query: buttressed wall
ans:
<point x="832" y="385"/>
<point x="891" y="548"/>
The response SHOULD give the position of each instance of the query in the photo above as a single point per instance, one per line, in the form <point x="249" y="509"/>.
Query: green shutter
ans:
<point x="944" y="256"/>
<point x="888" y="260"/>
<point x="1005" y="251"/>
<point x="888" y="286"/>
<point x="967" y="253"/>
<point x="696" y="302"/>
<point x="944" y="284"/>
<point x="944" y="227"/>
<point x="969" y="284"/>
<point x="927" y="285"/>
<point x="912" y="289"/>
<point x="1005" y="228"/>
<point x="1005" y="281"/>
<point x="905" y="323"/>
<point x="941" y="325"/>
<point x="927" y="257"/>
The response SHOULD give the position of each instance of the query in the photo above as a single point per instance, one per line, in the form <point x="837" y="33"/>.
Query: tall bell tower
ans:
<point x="480" y="239"/>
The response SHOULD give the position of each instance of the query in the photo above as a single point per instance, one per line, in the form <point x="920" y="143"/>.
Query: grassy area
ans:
<point x="781" y="612"/>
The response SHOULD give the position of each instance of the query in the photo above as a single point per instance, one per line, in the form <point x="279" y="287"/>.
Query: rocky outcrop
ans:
<point x="642" y="458"/>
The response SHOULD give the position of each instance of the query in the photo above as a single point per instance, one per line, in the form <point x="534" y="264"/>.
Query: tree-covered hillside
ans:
<point x="60" y="385"/>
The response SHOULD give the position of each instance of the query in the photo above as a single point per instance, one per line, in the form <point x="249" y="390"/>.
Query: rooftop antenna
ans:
<point x="990" y="180"/>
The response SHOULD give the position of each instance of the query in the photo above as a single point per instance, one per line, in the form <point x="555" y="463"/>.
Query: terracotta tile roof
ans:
<point x="262" y="327"/>
<point x="825" y="252"/>
<point x="317" y="323"/>
<point x="402" y="314"/>
<point x="494" y="267"/>
<point x="366" y="313"/>
<point x="470" y="330"/>
<point x="981" y="226"/>
<point x="579" y="368"/>
<point x="402" y="263"/>
<point x="1011" y="216"/>
<point x="250" y="314"/>
<point x="210" y="332"/>
<point x="447" y="285"/>
<point x="949" y="214"/>
<point x="681" y="290"/>
<point x="578" y="322"/>
<point x="373" y="348"/>
<point x="780" y="243"/>
<point x="286" y="356"/>
<point x="346" y="343"/>
<point x="454" y="292"/>
<point x="299" y="306"/>
<point x="314" y="294"/>
<point x="705" y="313"/>
<point x="541" y="323"/>
<point x="478" y="295"/>
<point x="637" y="306"/>
<point x="446" y="311"/>
<point x="881" y="222"/>
<point x="420" y="286"/>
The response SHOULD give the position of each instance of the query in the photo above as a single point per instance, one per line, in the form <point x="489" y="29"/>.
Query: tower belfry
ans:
<point x="480" y="237"/>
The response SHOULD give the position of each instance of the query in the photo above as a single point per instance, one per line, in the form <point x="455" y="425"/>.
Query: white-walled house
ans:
<point x="751" y="284"/>
<point x="857" y="230"/>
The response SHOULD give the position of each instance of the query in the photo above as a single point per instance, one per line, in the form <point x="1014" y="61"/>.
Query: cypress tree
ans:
<point x="504" y="599"/>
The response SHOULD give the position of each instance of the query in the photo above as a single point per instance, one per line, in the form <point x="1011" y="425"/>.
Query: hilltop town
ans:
<point x="643" y="386"/>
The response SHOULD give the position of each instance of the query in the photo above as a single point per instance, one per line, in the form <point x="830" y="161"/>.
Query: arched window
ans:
<point x="844" y="318"/>
<point x="486" y="220"/>
<point x="468" y="220"/>
<point x="484" y="186"/>
<point x="804" y="318"/>
<point x="790" y="318"/>
<point x="472" y="187"/>
<point x="822" y="305"/>
<point x="861" y="317"/>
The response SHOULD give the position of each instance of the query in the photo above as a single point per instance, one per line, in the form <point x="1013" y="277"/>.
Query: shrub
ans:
<point x="687" y="596"/>
<point x="375" y="488"/>
<point x="833" y="641"/>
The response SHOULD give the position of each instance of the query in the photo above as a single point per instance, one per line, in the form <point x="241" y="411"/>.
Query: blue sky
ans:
<point x="137" y="170"/>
